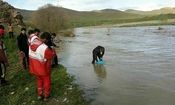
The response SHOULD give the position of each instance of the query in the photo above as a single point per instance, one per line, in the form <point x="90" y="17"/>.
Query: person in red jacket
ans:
<point x="3" y="58"/>
<point x="1" y="31"/>
<point x="40" y="57"/>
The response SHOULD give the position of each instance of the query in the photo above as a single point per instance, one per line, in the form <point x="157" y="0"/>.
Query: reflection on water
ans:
<point x="100" y="70"/>
<point x="139" y="65"/>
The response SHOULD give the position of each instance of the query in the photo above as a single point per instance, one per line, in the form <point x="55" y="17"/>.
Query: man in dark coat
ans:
<point x="98" y="53"/>
<point x="22" y="41"/>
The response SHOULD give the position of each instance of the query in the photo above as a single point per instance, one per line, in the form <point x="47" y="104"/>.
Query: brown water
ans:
<point x="139" y="65"/>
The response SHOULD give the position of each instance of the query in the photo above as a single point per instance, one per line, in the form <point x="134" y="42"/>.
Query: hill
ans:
<point x="165" y="10"/>
<point x="25" y="13"/>
<point x="87" y="18"/>
<point x="8" y="14"/>
<point x="106" y="13"/>
<point x="110" y="13"/>
<point x="108" y="16"/>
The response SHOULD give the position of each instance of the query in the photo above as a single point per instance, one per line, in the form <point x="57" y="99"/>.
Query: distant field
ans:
<point x="146" y="23"/>
<point x="142" y="23"/>
<point x="146" y="20"/>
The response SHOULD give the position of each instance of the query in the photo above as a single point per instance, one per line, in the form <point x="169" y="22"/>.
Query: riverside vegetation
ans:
<point x="21" y="89"/>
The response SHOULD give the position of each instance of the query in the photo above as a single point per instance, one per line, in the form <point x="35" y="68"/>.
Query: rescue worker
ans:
<point x="40" y="57"/>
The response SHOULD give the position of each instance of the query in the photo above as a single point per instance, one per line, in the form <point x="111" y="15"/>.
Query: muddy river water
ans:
<point x="139" y="65"/>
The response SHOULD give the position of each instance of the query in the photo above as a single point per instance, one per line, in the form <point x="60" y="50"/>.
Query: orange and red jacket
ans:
<point x="40" y="57"/>
<point x="1" y="32"/>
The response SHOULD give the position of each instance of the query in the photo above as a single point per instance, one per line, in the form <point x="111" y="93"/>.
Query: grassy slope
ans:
<point x="95" y="20"/>
<point x="99" y="18"/>
<point x="165" y="10"/>
<point x="146" y="23"/>
<point x="22" y="91"/>
<point x="88" y="18"/>
<point x="107" y="17"/>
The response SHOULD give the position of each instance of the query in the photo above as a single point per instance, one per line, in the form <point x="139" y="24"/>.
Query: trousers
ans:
<point x="43" y="85"/>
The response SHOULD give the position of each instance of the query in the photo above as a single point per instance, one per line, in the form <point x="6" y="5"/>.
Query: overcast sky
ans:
<point x="86" y="5"/>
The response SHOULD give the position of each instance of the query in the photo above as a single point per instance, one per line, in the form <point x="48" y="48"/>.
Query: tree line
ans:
<point x="50" y="18"/>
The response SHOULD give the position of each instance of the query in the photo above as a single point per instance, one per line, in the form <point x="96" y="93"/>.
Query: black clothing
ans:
<point x="98" y="53"/>
<point x="23" y="46"/>
<point x="22" y="42"/>
<point x="50" y="42"/>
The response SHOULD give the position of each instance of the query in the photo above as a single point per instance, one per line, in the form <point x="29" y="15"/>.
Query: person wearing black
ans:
<point x="51" y="44"/>
<point x="36" y="31"/>
<point x="98" y="53"/>
<point x="22" y="41"/>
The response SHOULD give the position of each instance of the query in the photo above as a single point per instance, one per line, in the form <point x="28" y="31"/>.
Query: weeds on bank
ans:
<point x="21" y="89"/>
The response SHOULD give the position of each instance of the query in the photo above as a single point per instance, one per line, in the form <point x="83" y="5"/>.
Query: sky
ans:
<point x="88" y="5"/>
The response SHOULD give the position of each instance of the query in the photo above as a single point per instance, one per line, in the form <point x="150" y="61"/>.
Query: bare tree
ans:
<point x="49" y="18"/>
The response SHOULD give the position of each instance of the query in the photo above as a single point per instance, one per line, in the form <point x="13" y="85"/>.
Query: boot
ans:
<point x="3" y="82"/>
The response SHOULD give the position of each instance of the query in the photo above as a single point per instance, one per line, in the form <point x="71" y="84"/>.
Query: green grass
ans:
<point x="94" y="20"/>
<point x="22" y="88"/>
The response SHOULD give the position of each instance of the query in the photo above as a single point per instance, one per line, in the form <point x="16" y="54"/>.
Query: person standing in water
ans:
<point x="98" y="53"/>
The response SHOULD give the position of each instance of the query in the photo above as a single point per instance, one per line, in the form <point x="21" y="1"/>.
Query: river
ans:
<point x="139" y="64"/>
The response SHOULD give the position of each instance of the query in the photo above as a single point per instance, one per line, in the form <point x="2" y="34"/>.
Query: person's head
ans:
<point x="10" y="24"/>
<point x="44" y="36"/>
<point x="37" y="31"/>
<point x="23" y="30"/>
<point x="1" y="27"/>
<point x="53" y="35"/>
<point x="30" y="32"/>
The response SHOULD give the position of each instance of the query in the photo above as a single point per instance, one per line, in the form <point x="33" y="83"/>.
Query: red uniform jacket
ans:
<point x="1" y="32"/>
<point x="40" y="57"/>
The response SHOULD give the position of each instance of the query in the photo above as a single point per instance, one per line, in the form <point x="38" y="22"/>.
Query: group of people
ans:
<point x="36" y="53"/>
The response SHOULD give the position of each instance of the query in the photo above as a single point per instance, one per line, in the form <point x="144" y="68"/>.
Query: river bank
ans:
<point x="21" y="89"/>
<point x="141" y="23"/>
